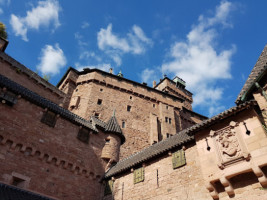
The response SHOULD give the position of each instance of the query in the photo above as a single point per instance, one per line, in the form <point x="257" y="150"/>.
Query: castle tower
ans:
<point x="114" y="138"/>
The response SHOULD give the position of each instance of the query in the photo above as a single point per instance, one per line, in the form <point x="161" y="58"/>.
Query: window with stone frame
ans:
<point x="139" y="175"/>
<point x="18" y="182"/>
<point x="178" y="159"/>
<point x="49" y="118"/>
<point x="83" y="135"/>
<point x="8" y="98"/>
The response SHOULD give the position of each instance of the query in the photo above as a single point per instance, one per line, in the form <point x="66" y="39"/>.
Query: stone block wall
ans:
<point x="140" y="111"/>
<point x="48" y="160"/>
<point x="29" y="79"/>
<point x="235" y="164"/>
<point x="162" y="182"/>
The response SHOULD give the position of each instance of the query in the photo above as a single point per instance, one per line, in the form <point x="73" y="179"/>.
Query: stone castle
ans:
<point x="100" y="136"/>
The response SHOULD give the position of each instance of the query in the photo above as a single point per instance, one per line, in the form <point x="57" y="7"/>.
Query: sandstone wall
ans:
<point x="235" y="165"/>
<point x="27" y="78"/>
<point x="150" y="119"/>
<point x="52" y="161"/>
<point x="163" y="182"/>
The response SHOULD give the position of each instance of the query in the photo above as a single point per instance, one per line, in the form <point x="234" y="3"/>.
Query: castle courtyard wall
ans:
<point x="50" y="160"/>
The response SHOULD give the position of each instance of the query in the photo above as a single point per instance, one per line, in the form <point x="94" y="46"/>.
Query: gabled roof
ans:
<point x="112" y="126"/>
<point x="8" y="192"/>
<point x="255" y="74"/>
<point x="43" y="102"/>
<point x="178" y="139"/>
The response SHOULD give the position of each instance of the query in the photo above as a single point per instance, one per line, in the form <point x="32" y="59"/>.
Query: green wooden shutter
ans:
<point x="108" y="187"/>
<point x="178" y="159"/>
<point x="139" y="175"/>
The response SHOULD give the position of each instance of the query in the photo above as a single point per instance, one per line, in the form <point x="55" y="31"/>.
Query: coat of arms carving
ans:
<point x="230" y="147"/>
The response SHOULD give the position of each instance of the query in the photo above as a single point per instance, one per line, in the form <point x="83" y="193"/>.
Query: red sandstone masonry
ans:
<point x="31" y="81"/>
<point x="69" y="168"/>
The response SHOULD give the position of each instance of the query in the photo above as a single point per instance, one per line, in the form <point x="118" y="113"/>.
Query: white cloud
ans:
<point x="44" y="14"/>
<point x="149" y="75"/>
<point x="135" y="42"/>
<point x="85" y="25"/>
<point x="104" y="66"/>
<point x="197" y="61"/>
<point x="52" y="59"/>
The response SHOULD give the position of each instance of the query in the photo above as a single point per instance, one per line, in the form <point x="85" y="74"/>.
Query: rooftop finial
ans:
<point x="114" y="111"/>
<point x="120" y="74"/>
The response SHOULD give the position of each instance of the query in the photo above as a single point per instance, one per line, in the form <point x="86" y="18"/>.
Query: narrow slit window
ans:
<point x="129" y="108"/>
<point x="170" y="120"/>
<point x="166" y="119"/>
<point x="123" y="124"/>
<point x="99" y="101"/>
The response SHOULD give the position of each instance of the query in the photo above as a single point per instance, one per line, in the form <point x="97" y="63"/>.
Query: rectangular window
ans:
<point x="178" y="159"/>
<point x="166" y="119"/>
<point x="167" y="107"/>
<point x="97" y="115"/>
<point x="154" y="105"/>
<point x="8" y="98"/>
<point x="170" y="120"/>
<point x="129" y="108"/>
<point x="139" y="175"/>
<point x="123" y="124"/>
<point x="49" y="118"/>
<point x="83" y="135"/>
<point x="18" y="182"/>
<point x="99" y="101"/>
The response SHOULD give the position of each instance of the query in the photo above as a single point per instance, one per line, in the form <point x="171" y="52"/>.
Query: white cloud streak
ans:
<point x="46" y="13"/>
<point x="135" y="42"/>
<point x="52" y="59"/>
<point x="197" y="61"/>
<point x="104" y="66"/>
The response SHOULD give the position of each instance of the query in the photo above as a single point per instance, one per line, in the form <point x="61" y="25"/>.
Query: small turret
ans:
<point x="114" y="139"/>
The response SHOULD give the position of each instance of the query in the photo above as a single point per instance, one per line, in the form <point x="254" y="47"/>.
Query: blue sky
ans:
<point x="210" y="44"/>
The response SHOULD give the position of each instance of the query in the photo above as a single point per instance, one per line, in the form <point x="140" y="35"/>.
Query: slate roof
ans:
<point x="178" y="139"/>
<point x="98" y="122"/>
<point x="257" y="70"/>
<point x="43" y="102"/>
<point x="8" y="192"/>
<point x="112" y="126"/>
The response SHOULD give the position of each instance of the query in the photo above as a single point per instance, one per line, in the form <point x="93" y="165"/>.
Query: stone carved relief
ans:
<point x="229" y="146"/>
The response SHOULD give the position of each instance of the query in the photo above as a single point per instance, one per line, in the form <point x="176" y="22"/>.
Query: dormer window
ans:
<point x="49" y="118"/>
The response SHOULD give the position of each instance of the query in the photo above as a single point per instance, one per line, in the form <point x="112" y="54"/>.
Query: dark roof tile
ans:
<point x="8" y="192"/>
<point x="112" y="126"/>
<point x="257" y="70"/>
<point x="178" y="139"/>
<point x="42" y="102"/>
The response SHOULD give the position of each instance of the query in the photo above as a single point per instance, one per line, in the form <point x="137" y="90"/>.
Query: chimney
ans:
<point x="110" y="70"/>
<point x="154" y="84"/>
